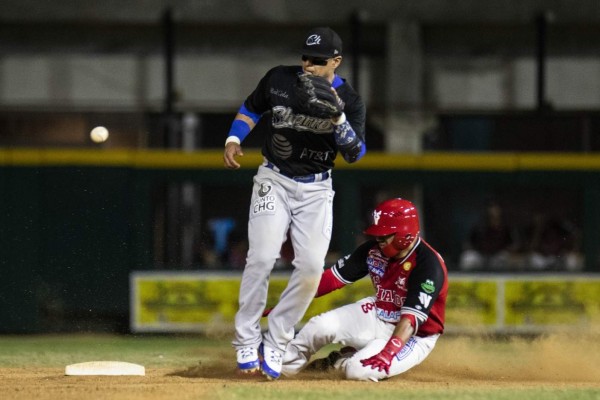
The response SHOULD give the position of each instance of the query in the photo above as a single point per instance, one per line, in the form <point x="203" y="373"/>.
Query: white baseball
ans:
<point x="99" y="134"/>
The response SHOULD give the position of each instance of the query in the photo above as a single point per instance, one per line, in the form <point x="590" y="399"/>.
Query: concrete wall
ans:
<point x="221" y="82"/>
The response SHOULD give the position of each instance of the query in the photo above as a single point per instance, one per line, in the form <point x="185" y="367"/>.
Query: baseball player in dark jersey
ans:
<point x="292" y="192"/>
<point x="397" y="328"/>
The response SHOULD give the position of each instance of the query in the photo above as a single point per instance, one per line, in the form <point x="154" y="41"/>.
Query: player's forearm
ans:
<point x="348" y="142"/>
<point x="404" y="329"/>
<point x="328" y="283"/>
<point x="240" y="128"/>
<point x="243" y="123"/>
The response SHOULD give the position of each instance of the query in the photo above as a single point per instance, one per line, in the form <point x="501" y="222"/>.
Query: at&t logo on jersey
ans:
<point x="316" y="155"/>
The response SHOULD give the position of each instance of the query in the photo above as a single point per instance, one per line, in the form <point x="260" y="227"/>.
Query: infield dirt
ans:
<point x="457" y="363"/>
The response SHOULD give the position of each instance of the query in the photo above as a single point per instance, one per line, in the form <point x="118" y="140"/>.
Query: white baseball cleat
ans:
<point x="247" y="359"/>
<point x="272" y="361"/>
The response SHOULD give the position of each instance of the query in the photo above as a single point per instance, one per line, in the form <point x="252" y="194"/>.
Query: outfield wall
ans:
<point x="74" y="223"/>
<point x="196" y="302"/>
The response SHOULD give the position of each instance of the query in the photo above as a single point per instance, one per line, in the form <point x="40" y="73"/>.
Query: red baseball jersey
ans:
<point x="416" y="284"/>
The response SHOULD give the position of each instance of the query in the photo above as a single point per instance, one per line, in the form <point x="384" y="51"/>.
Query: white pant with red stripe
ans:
<point x="357" y="326"/>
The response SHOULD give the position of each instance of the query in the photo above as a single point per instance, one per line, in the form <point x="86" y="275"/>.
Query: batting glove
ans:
<point x="383" y="360"/>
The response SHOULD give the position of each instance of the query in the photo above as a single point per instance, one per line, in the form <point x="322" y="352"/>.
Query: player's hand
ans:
<point x="383" y="360"/>
<point x="232" y="150"/>
<point x="380" y="362"/>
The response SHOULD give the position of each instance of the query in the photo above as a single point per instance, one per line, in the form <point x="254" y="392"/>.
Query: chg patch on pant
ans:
<point x="264" y="201"/>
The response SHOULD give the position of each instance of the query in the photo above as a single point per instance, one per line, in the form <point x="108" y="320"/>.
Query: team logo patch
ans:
<point x="425" y="299"/>
<point x="401" y="283"/>
<point x="342" y="261"/>
<point x="313" y="40"/>
<point x="407" y="266"/>
<point x="376" y="266"/>
<point x="264" y="202"/>
<point x="264" y="190"/>
<point x="376" y="216"/>
<point x="428" y="286"/>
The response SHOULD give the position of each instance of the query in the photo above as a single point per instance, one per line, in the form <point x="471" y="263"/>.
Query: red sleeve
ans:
<point x="329" y="283"/>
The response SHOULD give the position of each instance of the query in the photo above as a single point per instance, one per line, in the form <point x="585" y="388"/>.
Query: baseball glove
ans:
<point x="316" y="97"/>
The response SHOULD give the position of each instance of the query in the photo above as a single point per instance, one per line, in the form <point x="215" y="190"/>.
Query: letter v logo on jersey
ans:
<point x="425" y="299"/>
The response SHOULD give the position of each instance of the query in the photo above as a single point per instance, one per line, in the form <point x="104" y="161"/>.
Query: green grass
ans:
<point x="374" y="392"/>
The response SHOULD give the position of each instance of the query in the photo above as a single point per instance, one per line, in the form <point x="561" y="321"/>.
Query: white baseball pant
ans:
<point x="355" y="325"/>
<point x="278" y="204"/>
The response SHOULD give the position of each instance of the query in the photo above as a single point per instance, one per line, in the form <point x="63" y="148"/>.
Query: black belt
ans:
<point x="318" y="177"/>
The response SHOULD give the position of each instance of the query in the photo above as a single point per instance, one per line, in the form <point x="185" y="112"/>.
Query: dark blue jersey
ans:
<point x="299" y="144"/>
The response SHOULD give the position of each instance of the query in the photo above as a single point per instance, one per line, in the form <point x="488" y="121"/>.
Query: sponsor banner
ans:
<point x="180" y="302"/>
<point x="472" y="303"/>
<point x="574" y="303"/>
<point x="195" y="302"/>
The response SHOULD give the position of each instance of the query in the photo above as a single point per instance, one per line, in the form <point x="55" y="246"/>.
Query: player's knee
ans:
<point x="323" y="325"/>
<point x="310" y="265"/>
<point x="262" y="258"/>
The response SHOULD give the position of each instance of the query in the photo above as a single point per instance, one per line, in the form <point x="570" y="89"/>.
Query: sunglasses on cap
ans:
<point x="316" y="60"/>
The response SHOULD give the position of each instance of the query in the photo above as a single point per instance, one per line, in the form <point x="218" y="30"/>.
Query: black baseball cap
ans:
<point x="322" y="42"/>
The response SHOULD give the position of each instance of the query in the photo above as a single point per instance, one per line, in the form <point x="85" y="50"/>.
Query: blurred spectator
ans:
<point x="221" y="228"/>
<point x="553" y="245"/>
<point x="491" y="243"/>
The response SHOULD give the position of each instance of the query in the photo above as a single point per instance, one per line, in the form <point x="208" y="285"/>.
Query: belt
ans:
<point x="318" y="177"/>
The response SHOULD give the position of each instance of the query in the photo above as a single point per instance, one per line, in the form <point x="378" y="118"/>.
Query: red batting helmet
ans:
<point x="395" y="216"/>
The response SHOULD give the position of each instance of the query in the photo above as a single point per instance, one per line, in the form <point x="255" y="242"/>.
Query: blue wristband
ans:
<point x="253" y="116"/>
<point x="239" y="129"/>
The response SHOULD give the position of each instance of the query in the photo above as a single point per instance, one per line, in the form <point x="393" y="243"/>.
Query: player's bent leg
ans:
<point x="413" y="353"/>
<point x="347" y="325"/>
<point x="314" y="335"/>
